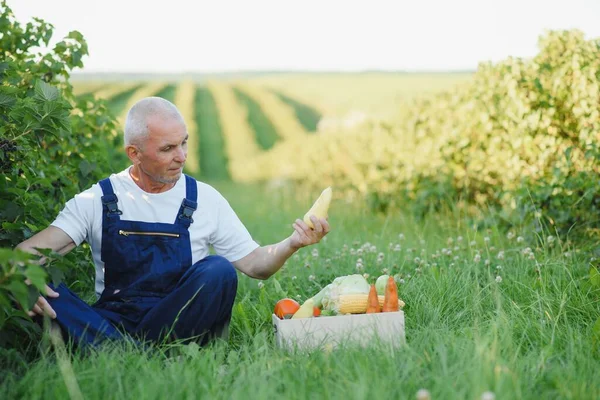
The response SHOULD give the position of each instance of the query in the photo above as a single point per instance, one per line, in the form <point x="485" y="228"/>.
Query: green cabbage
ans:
<point x="380" y="284"/>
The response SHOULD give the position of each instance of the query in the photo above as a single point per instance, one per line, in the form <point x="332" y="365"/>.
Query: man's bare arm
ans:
<point x="50" y="238"/>
<point x="58" y="241"/>
<point x="266" y="260"/>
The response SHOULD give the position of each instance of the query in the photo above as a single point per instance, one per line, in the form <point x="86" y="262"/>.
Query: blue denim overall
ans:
<point x="152" y="290"/>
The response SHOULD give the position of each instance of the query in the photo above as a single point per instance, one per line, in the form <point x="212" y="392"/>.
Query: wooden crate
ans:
<point x="328" y="332"/>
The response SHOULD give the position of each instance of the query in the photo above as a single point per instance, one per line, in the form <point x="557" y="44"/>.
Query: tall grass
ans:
<point x="486" y="311"/>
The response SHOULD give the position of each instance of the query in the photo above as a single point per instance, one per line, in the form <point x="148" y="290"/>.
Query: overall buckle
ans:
<point x="110" y="201"/>
<point x="187" y="209"/>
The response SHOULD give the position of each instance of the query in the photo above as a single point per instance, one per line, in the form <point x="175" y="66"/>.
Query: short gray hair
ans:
<point x="136" y="123"/>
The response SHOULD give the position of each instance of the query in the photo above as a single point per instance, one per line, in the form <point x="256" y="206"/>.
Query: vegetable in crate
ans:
<point x="286" y="308"/>
<point x="390" y="302"/>
<point x="306" y="310"/>
<point x="373" y="306"/>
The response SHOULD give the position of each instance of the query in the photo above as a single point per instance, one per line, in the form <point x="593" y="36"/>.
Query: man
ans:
<point x="149" y="228"/>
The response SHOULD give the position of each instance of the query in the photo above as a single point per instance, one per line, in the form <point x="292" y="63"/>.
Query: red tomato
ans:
<point x="316" y="311"/>
<point x="286" y="308"/>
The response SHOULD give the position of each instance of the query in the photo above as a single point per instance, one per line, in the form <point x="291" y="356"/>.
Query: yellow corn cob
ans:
<point x="353" y="303"/>
<point x="357" y="303"/>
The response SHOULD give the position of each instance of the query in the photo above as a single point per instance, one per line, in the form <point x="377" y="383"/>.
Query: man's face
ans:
<point x="163" y="152"/>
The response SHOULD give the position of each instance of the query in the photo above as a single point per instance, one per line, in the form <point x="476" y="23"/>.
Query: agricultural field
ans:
<point x="236" y="119"/>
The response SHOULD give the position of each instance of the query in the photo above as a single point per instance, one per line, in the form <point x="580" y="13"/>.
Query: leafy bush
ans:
<point x="52" y="146"/>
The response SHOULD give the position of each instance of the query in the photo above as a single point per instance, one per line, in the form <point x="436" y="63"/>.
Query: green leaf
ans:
<point x="45" y="91"/>
<point x="595" y="277"/>
<point x="76" y="35"/>
<point x="56" y="275"/>
<point x="6" y="101"/>
<point x="86" y="167"/>
<point x="11" y="211"/>
<point x="20" y="291"/>
<point x="37" y="275"/>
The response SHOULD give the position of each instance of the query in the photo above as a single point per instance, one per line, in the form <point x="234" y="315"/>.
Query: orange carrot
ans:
<point x="390" y="302"/>
<point x="373" y="301"/>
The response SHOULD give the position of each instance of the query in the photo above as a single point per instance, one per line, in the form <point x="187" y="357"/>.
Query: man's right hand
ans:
<point x="42" y="307"/>
<point x="50" y="238"/>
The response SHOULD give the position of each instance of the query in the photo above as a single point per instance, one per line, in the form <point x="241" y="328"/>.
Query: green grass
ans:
<point x="213" y="158"/>
<point x="266" y="135"/>
<point x="526" y="337"/>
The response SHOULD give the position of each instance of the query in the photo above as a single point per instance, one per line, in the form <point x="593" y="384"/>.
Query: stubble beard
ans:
<point x="163" y="179"/>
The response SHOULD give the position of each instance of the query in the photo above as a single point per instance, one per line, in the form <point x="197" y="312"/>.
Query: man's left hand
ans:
<point x="304" y="235"/>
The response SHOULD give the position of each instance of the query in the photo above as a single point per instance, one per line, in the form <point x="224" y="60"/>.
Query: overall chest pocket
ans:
<point x="143" y="254"/>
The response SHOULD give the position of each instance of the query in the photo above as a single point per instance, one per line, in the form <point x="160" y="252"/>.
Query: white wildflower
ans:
<point x="499" y="279"/>
<point x="520" y="239"/>
<point x="423" y="394"/>
<point x="488" y="396"/>
<point x="261" y="285"/>
<point x="477" y="258"/>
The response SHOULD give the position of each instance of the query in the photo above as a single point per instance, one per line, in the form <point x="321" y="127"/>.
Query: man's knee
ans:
<point x="215" y="270"/>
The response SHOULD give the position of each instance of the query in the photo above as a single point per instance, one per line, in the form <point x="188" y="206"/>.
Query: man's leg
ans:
<point x="78" y="321"/>
<point x="200" y="304"/>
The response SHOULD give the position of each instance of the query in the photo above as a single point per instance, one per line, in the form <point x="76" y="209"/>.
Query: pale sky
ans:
<point x="225" y="35"/>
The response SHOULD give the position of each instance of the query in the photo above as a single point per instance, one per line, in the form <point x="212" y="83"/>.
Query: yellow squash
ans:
<point x="305" y="310"/>
<point x="320" y="208"/>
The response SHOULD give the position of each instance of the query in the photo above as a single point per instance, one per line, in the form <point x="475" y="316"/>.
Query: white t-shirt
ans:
<point x="215" y="222"/>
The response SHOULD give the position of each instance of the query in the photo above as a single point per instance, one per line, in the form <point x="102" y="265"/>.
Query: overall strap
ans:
<point x="189" y="204"/>
<point x="109" y="200"/>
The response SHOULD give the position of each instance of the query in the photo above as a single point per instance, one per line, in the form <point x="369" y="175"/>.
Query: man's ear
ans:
<point x="134" y="154"/>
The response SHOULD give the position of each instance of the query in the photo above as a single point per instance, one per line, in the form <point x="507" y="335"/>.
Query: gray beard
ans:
<point x="162" y="179"/>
